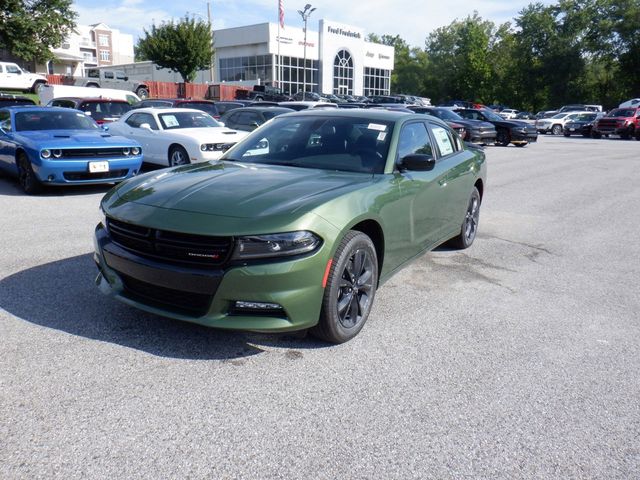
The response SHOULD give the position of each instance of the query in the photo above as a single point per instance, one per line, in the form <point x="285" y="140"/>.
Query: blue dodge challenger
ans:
<point x="59" y="146"/>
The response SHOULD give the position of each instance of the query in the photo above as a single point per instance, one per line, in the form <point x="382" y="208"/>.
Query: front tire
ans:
<point x="143" y="93"/>
<point x="26" y="176"/>
<point x="469" y="227"/>
<point x="178" y="156"/>
<point x="557" y="129"/>
<point x="503" y="138"/>
<point x="350" y="290"/>
<point x="37" y="86"/>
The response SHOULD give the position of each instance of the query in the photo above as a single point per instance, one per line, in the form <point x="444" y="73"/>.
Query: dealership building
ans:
<point x="338" y="58"/>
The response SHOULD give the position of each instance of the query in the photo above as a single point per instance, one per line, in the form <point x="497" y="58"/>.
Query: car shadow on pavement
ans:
<point x="62" y="295"/>
<point x="9" y="186"/>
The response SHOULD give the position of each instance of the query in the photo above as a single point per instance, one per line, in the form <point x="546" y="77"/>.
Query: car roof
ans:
<point x="91" y="99"/>
<point x="259" y="109"/>
<point x="163" y="111"/>
<point x="36" y="108"/>
<point x="365" y="114"/>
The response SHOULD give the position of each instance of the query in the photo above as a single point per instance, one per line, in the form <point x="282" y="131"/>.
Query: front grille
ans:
<point x="93" y="153"/>
<point x="177" y="301"/>
<point x="77" y="176"/>
<point x="173" y="247"/>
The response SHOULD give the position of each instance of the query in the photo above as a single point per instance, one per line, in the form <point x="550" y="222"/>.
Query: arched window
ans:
<point x="343" y="73"/>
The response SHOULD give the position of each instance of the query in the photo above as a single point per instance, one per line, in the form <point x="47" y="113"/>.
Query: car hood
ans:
<point x="240" y="190"/>
<point x="476" y="124"/>
<point x="208" y="134"/>
<point x="72" y="138"/>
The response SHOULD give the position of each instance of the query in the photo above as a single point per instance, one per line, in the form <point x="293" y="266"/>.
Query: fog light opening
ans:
<point x="51" y="178"/>
<point x="244" y="307"/>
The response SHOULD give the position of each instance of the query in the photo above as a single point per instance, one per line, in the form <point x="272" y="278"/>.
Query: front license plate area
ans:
<point x="98" y="167"/>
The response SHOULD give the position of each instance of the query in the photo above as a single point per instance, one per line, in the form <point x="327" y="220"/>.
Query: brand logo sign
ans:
<point x="344" y="33"/>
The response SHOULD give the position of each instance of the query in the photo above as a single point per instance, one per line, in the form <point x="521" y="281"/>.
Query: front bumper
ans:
<point x="484" y="138"/>
<point x="63" y="172"/>
<point x="207" y="296"/>
<point x="523" y="137"/>
<point x="613" y="130"/>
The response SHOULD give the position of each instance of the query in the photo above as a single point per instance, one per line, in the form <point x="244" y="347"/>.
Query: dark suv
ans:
<point x="102" y="110"/>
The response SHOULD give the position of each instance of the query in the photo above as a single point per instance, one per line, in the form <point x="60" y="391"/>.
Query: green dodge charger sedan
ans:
<point x="296" y="226"/>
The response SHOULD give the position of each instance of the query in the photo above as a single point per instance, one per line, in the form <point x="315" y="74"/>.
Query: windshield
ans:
<point x="559" y="115"/>
<point x="174" y="120"/>
<point x="55" y="120"/>
<point x="584" y="117"/>
<point x="209" y="108"/>
<point x="622" y="112"/>
<point x="492" y="116"/>
<point x="328" y="143"/>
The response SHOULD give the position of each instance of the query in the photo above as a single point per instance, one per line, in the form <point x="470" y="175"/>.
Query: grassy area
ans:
<point x="32" y="96"/>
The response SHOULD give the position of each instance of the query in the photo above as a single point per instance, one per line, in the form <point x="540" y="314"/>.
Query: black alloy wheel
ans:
<point x="469" y="227"/>
<point x="178" y="156"/>
<point x="350" y="289"/>
<point x="26" y="176"/>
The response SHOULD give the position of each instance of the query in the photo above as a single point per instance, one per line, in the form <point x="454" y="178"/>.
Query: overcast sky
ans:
<point x="412" y="19"/>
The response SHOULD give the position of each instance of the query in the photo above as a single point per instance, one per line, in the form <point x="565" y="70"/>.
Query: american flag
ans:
<point x="281" y="12"/>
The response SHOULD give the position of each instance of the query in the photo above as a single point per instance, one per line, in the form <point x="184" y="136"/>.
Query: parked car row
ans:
<point x="624" y="122"/>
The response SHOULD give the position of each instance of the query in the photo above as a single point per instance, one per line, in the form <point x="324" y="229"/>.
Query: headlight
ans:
<point x="126" y="151"/>
<point x="276" y="245"/>
<point x="103" y="217"/>
<point x="57" y="153"/>
<point x="45" y="153"/>
<point x="135" y="151"/>
<point x="213" y="147"/>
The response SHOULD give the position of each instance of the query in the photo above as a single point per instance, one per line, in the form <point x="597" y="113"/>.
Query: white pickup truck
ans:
<point x="12" y="77"/>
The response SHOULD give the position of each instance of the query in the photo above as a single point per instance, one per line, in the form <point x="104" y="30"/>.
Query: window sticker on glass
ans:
<point x="170" y="121"/>
<point x="377" y="127"/>
<point x="443" y="141"/>
<point x="382" y="136"/>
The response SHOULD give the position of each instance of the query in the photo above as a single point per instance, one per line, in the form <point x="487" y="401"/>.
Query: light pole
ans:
<point x="308" y="10"/>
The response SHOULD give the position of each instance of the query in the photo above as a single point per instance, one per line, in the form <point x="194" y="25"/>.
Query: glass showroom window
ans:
<point x="376" y="81"/>
<point x="292" y="78"/>
<point x="256" y="67"/>
<point x="343" y="73"/>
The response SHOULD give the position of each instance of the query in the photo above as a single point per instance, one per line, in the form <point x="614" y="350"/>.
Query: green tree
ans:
<point x="29" y="29"/>
<point x="184" y="46"/>
<point x="461" y="60"/>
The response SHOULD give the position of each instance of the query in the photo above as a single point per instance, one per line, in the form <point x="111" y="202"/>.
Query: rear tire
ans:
<point x="26" y="176"/>
<point x="595" y="135"/>
<point x="469" y="227"/>
<point x="350" y="290"/>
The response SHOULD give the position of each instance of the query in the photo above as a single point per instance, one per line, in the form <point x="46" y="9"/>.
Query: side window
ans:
<point x="134" y="120"/>
<point x="414" y="139"/>
<point x="445" y="140"/>
<point x="148" y="118"/>
<point x="120" y="75"/>
<point x="12" y="69"/>
<point x="1" y="69"/>
<point x="5" y="121"/>
<point x="108" y="74"/>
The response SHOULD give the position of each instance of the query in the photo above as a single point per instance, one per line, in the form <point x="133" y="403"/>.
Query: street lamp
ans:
<point x="305" y="14"/>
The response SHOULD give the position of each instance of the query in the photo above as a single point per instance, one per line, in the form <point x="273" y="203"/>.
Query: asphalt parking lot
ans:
<point x="517" y="358"/>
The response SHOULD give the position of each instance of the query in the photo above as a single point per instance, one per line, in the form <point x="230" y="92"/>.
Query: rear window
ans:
<point x="105" y="110"/>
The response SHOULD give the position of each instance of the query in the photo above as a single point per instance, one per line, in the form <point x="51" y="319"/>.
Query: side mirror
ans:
<point x="145" y="126"/>
<point x="254" y="124"/>
<point x="417" y="162"/>
<point x="221" y="123"/>
<point x="126" y="78"/>
<point x="105" y="127"/>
